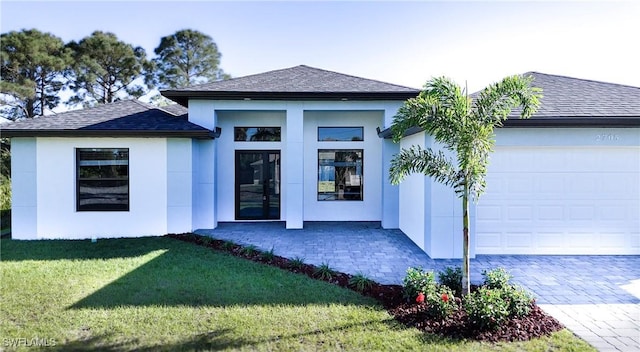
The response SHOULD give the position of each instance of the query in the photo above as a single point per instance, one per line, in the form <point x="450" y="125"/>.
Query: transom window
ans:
<point x="340" y="174"/>
<point x="102" y="179"/>
<point x="341" y="134"/>
<point x="256" y="134"/>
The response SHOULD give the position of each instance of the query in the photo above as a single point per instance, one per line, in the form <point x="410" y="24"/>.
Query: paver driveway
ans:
<point x="596" y="297"/>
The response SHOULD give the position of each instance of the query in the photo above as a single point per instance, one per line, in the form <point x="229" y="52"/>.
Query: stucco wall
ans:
<point x="24" y="188"/>
<point x="55" y="188"/>
<point x="414" y="193"/>
<point x="370" y="208"/>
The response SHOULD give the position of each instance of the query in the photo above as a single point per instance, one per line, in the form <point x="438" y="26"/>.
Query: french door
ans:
<point x="257" y="184"/>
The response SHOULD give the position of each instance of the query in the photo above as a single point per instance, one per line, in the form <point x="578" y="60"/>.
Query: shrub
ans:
<point x="497" y="278"/>
<point x="227" y="245"/>
<point x="268" y="256"/>
<point x="440" y="303"/>
<point x="324" y="272"/>
<point x="418" y="280"/>
<point x="452" y="278"/>
<point x="486" y="308"/>
<point x="360" y="282"/>
<point x="518" y="299"/>
<point x="296" y="263"/>
<point x="206" y="240"/>
<point x="5" y="193"/>
<point x="249" y="250"/>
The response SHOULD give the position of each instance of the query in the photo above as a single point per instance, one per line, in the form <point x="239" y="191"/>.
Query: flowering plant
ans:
<point x="420" y="298"/>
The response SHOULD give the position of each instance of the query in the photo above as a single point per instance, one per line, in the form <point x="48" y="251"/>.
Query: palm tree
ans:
<point x="464" y="126"/>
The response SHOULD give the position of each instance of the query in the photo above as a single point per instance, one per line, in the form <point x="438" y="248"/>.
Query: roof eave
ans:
<point x="573" y="122"/>
<point x="204" y="134"/>
<point x="182" y="97"/>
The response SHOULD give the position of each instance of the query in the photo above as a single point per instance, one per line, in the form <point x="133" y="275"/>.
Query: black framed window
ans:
<point x="340" y="134"/>
<point x="102" y="179"/>
<point x="256" y="134"/>
<point x="340" y="174"/>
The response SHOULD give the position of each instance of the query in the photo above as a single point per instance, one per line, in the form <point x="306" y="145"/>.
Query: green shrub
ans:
<point x="268" y="256"/>
<point x="249" y="250"/>
<point x="5" y="193"/>
<point x="296" y="263"/>
<point x="486" y="308"/>
<point x="518" y="299"/>
<point x="324" y="272"/>
<point x="417" y="280"/>
<point x="440" y="303"/>
<point x="452" y="278"/>
<point x="497" y="278"/>
<point x="206" y="240"/>
<point x="360" y="282"/>
<point x="227" y="245"/>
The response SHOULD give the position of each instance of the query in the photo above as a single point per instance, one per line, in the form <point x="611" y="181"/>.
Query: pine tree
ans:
<point x="106" y="69"/>
<point x="32" y="67"/>
<point x="185" y="58"/>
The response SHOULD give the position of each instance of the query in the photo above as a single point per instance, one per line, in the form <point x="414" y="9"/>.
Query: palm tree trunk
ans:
<point x="466" y="284"/>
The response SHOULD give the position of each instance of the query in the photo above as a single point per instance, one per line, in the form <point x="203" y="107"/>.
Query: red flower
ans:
<point x="420" y="297"/>
<point x="445" y="298"/>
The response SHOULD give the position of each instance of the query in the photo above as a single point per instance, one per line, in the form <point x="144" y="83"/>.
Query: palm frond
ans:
<point x="424" y="161"/>
<point x="495" y="103"/>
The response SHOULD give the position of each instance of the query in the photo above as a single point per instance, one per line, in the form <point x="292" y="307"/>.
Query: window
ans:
<point x="102" y="179"/>
<point x="326" y="134"/>
<point x="340" y="174"/>
<point x="256" y="134"/>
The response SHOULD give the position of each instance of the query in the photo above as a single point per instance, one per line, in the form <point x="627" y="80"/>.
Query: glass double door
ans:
<point x="257" y="184"/>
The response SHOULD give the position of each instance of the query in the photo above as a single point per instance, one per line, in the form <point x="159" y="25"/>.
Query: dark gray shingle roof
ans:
<point x="573" y="99"/>
<point x="122" y="118"/>
<point x="294" y="83"/>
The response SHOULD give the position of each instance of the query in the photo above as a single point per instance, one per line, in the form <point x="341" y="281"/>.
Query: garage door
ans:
<point x="561" y="200"/>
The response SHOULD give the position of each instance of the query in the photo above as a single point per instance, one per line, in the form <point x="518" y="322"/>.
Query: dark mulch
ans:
<point x="536" y="324"/>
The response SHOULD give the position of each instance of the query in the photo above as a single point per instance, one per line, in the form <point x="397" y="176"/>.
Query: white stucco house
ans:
<point x="305" y="144"/>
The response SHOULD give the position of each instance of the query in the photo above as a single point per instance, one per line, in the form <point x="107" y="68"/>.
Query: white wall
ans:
<point x="430" y="212"/>
<point x="24" y="188"/>
<point x="414" y="193"/>
<point x="370" y="208"/>
<point x="179" y="185"/>
<point x="56" y="190"/>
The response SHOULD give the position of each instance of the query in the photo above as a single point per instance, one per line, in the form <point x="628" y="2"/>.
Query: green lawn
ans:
<point x="164" y="294"/>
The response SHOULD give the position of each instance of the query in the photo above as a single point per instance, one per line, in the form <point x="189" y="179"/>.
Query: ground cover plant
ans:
<point x="161" y="294"/>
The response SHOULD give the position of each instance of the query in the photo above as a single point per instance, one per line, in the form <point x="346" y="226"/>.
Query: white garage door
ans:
<point x="561" y="200"/>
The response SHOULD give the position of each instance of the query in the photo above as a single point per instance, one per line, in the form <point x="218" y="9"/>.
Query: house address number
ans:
<point x="607" y="137"/>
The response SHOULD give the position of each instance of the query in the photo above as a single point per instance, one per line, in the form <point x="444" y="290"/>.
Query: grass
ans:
<point x="163" y="294"/>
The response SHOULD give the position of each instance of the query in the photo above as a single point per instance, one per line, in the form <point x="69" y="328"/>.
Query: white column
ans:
<point x="202" y="112"/>
<point x="390" y="193"/>
<point x="294" y="166"/>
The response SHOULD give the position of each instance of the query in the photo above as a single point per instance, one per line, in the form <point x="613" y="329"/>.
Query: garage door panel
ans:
<point x="550" y="213"/>
<point x="561" y="200"/>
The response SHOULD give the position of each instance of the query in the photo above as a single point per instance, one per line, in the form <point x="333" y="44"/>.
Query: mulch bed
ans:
<point x="536" y="324"/>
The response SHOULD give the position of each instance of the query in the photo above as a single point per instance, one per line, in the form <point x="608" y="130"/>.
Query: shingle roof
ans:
<point x="574" y="102"/>
<point x="122" y="118"/>
<point x="580" y="101"/>
<point x="295" y="83"/>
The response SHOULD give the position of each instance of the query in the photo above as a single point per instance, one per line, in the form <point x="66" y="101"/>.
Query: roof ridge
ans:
<point x="580" y="79"/>
<point x="353" y="76"/>
<point x="232" y="78"/>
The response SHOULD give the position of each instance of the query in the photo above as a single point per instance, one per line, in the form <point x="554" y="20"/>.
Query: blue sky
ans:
<point x="398" y="42"/>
